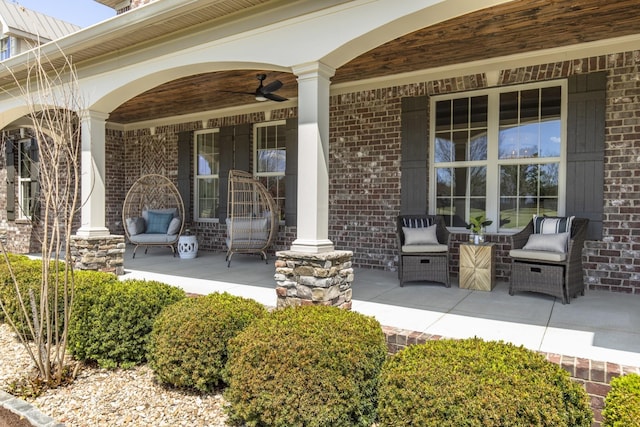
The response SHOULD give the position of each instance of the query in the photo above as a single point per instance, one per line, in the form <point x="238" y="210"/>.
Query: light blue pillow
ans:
<point x="158" y="223"/>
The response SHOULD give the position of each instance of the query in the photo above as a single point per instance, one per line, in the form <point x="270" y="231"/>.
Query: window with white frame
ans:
<point x="25" y="173"/>
<point x="499" y="152"/>
<point x="207" y="161"/>
<point x="270" y="159"/>
<point x="5" y="48"/>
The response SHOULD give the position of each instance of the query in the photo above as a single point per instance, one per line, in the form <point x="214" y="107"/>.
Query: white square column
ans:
<point x="313" y="158"/>
<point x="93" y="217"/>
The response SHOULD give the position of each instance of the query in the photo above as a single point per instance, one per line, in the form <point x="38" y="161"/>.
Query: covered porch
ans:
<point x="600" y="326"/>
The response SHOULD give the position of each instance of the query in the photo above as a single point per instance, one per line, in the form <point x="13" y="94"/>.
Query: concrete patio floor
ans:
<point x="600" y="326"/>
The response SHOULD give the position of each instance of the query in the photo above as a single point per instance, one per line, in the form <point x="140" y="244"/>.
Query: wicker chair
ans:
<point x="551" y="273"/>
<point x="423" y="260"/>
<point x="152" y="202"/>
<point x="252" y="216"/>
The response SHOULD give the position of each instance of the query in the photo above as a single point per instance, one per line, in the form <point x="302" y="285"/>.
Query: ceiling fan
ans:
<point x="265" y="92"/>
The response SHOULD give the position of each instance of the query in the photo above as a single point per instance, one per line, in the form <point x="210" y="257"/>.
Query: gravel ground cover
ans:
<point x="100" y="397"/>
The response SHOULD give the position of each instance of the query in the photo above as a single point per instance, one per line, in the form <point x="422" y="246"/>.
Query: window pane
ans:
<point x="508" y="108"/>
<point x="460" y="140"/>
<point x="461" y="113"/>
<point x="550" y="138"/>
<point x="479" y="108"/>
<point x="25" y="160"/>
<point x="444" y="182"/>
<point x="208" y="198"/>
<point x="529" y="105"/>
<point x="26" y="199"/>
<point x="550" y="101"/>
<point x="478" y="145"/>
<point x="271" y="161"/>
<point x="443" y="147"/>
<point x="208" y="154"/>
<point x="443" y="115"/>
<point x="478" y="181"/>
<point x="275" y="185"/>
<point x="527" y="190"/>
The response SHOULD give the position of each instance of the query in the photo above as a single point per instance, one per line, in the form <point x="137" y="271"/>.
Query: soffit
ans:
<point x="511" y="28"/>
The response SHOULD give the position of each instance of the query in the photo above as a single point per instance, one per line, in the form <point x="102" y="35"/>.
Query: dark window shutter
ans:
<point x="585" y="149"/>
<point x="291" y="173"/>
<point x="184" y="168"/>
<point x="34" y="210"/>
<point x="242" y="148"/>
<point x="10" y="163"/>
<point x="415" y="145"/>
<point x="235" y="153"/>
<point x="226" y="164"/>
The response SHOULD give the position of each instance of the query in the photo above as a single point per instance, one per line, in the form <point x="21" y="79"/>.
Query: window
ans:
<point x="270" y="160"/>
<point x="26" y="167"/>
<point x="5" y="48"/>
<point x="500" y="153"/>
<point x="207" y="160"/>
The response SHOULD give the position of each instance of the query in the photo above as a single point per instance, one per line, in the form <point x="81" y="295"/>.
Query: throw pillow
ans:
<point x="552" y="224"/>
<point x="173" y="211"/>
<point x="135" y="225"/>
<point x="158" y="223"/>
<point x="174" y="226"/>
<point x="416" y="222"/>
<point x="551" y="242"/>
<point x="420" y="235"/>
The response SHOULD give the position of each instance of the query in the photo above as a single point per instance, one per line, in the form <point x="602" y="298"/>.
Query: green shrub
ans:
<point x="306" y="366"/>
<point x="475" y="383"/>
<point x="28" y="275"/>
<point x="622" y="404"/>
<point x="111" y="321"/>
<point x="188" y="346"/>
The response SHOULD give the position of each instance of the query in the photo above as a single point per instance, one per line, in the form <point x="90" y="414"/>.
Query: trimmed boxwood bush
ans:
<point x="28" y="274"/>
<point x="622" y="404"/>
<point x="476" y="383"/>
<point x="188" y="346"/>
<point x="306" y="366"/>
<point x="111" y="322"/>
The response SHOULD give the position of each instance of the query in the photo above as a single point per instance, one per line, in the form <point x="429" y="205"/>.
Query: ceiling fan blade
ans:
<point x="238" y="93"/>
<point x="274" y="97"/>
<point x="271" y="87"/>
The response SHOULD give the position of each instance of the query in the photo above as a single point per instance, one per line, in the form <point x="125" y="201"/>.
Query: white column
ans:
<point x="92" y="222"/>
<point x="313" y="158"/>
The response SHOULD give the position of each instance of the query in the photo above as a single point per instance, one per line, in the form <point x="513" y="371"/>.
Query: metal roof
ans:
<point x="21" y="22"/>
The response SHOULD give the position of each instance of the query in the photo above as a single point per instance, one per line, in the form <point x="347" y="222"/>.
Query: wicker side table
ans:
<point x="477" y="266"/>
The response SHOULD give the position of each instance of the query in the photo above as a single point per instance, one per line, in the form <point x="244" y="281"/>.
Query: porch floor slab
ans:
<point x="600" y="325"/>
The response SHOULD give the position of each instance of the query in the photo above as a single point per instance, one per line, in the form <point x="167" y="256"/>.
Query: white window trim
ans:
<point x="493" y="187"/>
<point x="23" y="212"/>
<point x="196" y="177"/>
<point x="255" y="146"/>
<point x="257" y="174"/>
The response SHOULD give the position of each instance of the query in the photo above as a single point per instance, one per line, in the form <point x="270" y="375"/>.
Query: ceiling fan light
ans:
<point x="260" y="98"/>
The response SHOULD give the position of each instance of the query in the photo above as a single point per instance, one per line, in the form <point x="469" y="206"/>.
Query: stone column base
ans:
<point x="104" y="253"/>
<point x="314" y="279"/>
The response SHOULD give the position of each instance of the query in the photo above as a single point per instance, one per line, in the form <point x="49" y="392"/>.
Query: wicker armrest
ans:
<point x="520" y="239"/>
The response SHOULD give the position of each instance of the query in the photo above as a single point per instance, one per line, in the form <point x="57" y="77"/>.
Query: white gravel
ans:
<point x="100" y="397"/>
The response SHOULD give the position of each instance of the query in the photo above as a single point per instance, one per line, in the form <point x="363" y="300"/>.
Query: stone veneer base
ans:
<point x="104" y="253"/>
<point x="314" y="279"/>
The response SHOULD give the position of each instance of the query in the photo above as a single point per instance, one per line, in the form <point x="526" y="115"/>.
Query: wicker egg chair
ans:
<point x="252" y="220"/>
<point x="153" y="213"/>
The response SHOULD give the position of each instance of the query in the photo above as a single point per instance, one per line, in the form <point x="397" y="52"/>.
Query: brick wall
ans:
<point x="594" y="375"/>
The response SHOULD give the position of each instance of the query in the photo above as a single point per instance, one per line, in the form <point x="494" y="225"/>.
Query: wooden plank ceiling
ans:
<point x="519" y="26"/>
